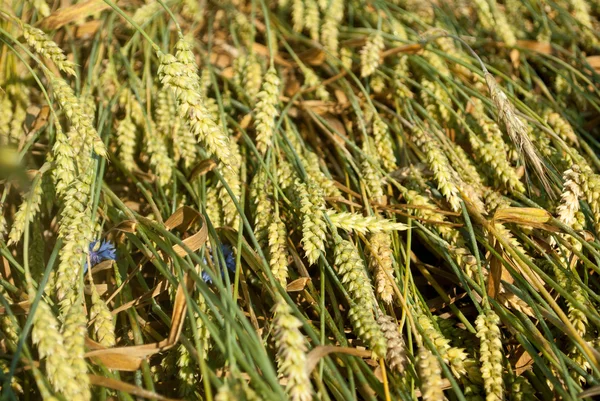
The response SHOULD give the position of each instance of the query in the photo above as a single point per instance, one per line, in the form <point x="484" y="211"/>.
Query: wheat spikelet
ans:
<point x="2" y="223"/>
<point x="465" y="167"/>
<point x="312" y="80"/>
<point x="311" y="18"/>
<point x="224" y="393"/>
<point x="313" y="225"/>
<point x="85" y="138"/>
<point x="126" y="138"/>
<point x="521" y="389"/>
<point x="569" y="200"/>
<point x="330" y="27"/>
<point x="16" y="124"/>
<point x="468" y="181"/>
<point x="590" y="186"/>
<point x="104" y="326"/>
<point x="366" y="328"/>
<point x="372" y="178"/>
<point x="562" y="87"/>
<point x="491" y="354"/>
<point x="9" y="326"/>
<point x="346" y="58"/>
<point x="295" y="141"/>
<point x="238" y="65"/>
<point x="380" y="262"/>
<point x="41" y="7"/>
<point x="370" y="54"/>
<point x="19" y="96"/>
<point x="581" y="14"/>
<point x="242" y="390"/>
<point x="253" y="77"/>
<point x="76" y="229"/>
<point x="160" y="161"/>
<point x="298" y="15"/>
<point x="187" y="377"/>
<point x="438" y="63"/>
<point x="263" y="214"/>
<point x="232" y="178"/>
<point x="5" y="117"/>
<point x="517" y="131"/>
<point x="132" y="107"/>
<point x="51" y="347"/>
<point x="397" y="29"/>
<point x="561" y="127"/>
<point x="286" y="175"/>
<point x="64" y="170"/>
<point x="484" y="15"/>
<point x="88" y="103"/>
<point x="278" y="253"/>
<point x="430" y="373"/>
<point x="383" y="144"/>
<point x="145" y="13"/>
<point x="442" y="170"/>
<point x="186" y="57"/>
<point x="396" y="348"/>
<point x="505" y="232"/>
<point x="291" y="352"/>
<point x="455" y="357"/>
<point x="448" y="47"/>
<point x="377" y="84"/>
<point x="423" y="11"/>
<point x="182" y="80"/>
<point x="362" y="224"/>
<point x="427" y="211"/>
<point x="27" y="211"/>
<point x="108" y="80"/>
<point x="311" y="164"/>
<point x="14" y="382"/>
<point x="503" y="28"/>
<point x="167" y="367"/>
<point x="576" y="316"/>
<point x="353" y="276"/>
<point x="214" y="210"/>
<point x="10" y="331"/>
<point x="205" y="82"/>
<point x="266" y="110"/>
<point x="352" y="272"/>
<point x="192" y="11"/>
<point x="201" y="329"/>
<point x="170" y="125"/>
<point x="492" y="149"/>
<point x="503" y="172"/>
<point x="244" y="29"/>
<point x="435" y="99"/>
<point x="494" y="200"/>
<point x="74" y="330"/>
<point x="46" y="47"/>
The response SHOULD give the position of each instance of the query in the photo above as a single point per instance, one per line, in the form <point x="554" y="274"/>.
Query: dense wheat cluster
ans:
<point x="299" y="200"/>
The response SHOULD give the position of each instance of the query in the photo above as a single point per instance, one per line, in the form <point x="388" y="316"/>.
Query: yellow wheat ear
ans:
<point x="517" y="132"/>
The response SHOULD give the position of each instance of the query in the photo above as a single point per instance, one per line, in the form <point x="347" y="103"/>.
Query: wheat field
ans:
<point x="299" y="200"/>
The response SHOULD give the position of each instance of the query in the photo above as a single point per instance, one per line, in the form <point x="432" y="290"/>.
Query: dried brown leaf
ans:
<point x="75" y="12"/>
<point x="297" y="285"/>
<point x="127" y="388"/>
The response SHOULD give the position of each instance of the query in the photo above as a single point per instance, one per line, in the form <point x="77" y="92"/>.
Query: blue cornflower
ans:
<point x="229" y="261"/>
<point x="99" y="252"/>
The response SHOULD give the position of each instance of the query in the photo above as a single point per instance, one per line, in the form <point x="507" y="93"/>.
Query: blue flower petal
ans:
<point x="106" y="251"/>
<point x="229" y="257"/>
